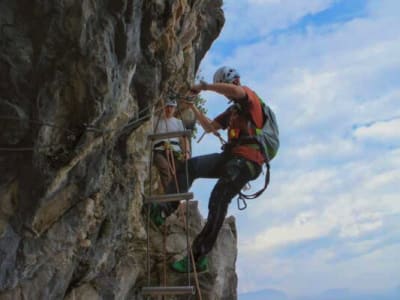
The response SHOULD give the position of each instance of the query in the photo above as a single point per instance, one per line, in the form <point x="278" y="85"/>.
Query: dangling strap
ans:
<point x="242" y="197"/>
<point x="239" y="200"/>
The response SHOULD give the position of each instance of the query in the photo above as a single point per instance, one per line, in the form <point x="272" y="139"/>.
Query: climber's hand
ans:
<point x="195" y="89"/>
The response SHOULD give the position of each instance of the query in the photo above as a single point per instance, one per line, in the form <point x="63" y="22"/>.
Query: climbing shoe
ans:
<point x="181" y="266"/>
<point x="157" y="215"/>
<point x="202" y="264"/>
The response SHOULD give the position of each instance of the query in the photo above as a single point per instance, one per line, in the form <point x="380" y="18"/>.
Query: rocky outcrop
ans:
<point x="79" y="84"/>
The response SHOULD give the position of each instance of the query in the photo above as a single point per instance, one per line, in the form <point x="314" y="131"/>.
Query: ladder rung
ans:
<point x="168" y="290"/>
<point x="172" y="134"/>
<point x="168" y="197"/>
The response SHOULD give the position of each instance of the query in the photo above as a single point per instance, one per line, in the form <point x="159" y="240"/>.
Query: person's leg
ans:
<point x="234" y="176"/>
<point x="162" y="165"/>
<point x="166" y="176"/>
<point x="205" y="166"/>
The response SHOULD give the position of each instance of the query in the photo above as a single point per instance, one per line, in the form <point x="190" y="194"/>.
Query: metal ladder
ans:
<point x="148" y="200"/>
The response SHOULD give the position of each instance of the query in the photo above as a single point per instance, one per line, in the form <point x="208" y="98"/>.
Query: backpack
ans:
<point x="268" y="139"/>
<point x="268" y="135"/>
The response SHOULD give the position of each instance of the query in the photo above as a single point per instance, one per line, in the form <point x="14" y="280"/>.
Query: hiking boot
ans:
<point x="181" y="266"/>
<point x="157" y="215"/>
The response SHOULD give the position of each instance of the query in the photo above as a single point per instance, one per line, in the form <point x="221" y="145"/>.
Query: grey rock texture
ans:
<point x="80" y="82"/>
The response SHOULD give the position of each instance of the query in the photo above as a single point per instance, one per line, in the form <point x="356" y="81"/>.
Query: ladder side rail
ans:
<point x="188" y="248"/>
<point x="148" y="206"/>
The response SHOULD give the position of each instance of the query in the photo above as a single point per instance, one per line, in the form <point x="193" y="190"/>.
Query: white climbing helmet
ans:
<point x="171" y="102"/>
<point x="226" y="75"/>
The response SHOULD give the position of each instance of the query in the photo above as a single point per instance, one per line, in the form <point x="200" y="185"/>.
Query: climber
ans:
<point x="169" y="154"/>
<point x="234" y="167"/>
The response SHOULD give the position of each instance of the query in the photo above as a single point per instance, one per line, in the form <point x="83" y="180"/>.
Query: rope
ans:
<point x="186" y="222"/>
<point x="91" y="128"/>
<point x="97" y="129"/>
<point x="165" y="255"/>
<point x="35" y="122"/>
<point x="22" y="149"/>
<point x="164" y="227"/>
<point x="148" y="220"/>
<point x="88" y="128"/>
<point x="193" y="263"/>
<point x="186" y="219"/>
<point x="216" y="133"/>
<point x="171" y="165"/>
<point x="196" y="278"/>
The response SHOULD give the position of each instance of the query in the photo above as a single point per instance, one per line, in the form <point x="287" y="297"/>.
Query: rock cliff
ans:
<point x="80" y="82"/>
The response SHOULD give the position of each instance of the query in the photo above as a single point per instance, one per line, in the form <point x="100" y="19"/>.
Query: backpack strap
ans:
<point x="252" y="111"/>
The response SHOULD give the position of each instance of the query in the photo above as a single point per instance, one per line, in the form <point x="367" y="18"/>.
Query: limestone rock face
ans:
<point x="80" y="82"/>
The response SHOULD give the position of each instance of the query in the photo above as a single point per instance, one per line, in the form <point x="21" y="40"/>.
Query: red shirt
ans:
<point x="237" y="124"/>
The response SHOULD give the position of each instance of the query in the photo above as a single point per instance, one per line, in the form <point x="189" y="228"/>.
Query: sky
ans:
<point x="330" y="69"/>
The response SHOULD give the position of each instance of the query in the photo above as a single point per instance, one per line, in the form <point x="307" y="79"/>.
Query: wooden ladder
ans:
<point x="148" y="200"/>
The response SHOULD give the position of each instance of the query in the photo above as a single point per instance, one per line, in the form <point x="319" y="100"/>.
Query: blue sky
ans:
<point x="331" y="71"/>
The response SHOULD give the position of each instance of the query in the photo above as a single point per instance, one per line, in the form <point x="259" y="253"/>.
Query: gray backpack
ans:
<point x="268" y="135"/>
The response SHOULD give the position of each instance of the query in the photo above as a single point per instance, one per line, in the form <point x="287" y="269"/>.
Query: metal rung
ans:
<point x="168" y="290"/>
<point x="172" y="134"/>
<point x="168" y="197"/>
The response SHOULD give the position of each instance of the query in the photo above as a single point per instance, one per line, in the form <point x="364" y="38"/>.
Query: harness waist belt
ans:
<point x="254" y="146"/>
<point x="162" y="143"/>
<point x="245" y="143"/>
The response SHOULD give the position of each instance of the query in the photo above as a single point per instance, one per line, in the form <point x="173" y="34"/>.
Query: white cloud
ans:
<point x="329" y="182"/>
<point x="384" y="179"/>
<point x="294" y="189"/>
<point x="380" y="131"/>
<point x="354" y="211"/>
<point x="326" y="76"/>
<point x="347" y="220"/>
<point x="260" y="2"/>
<point x="258" y="18"/>
<point x="332" y="148"/>
<point x="303" y="274"/>
<point x="302" y="228"/>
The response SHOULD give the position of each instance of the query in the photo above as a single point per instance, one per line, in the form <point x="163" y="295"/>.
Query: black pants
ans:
<point x="232" y="173"/>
